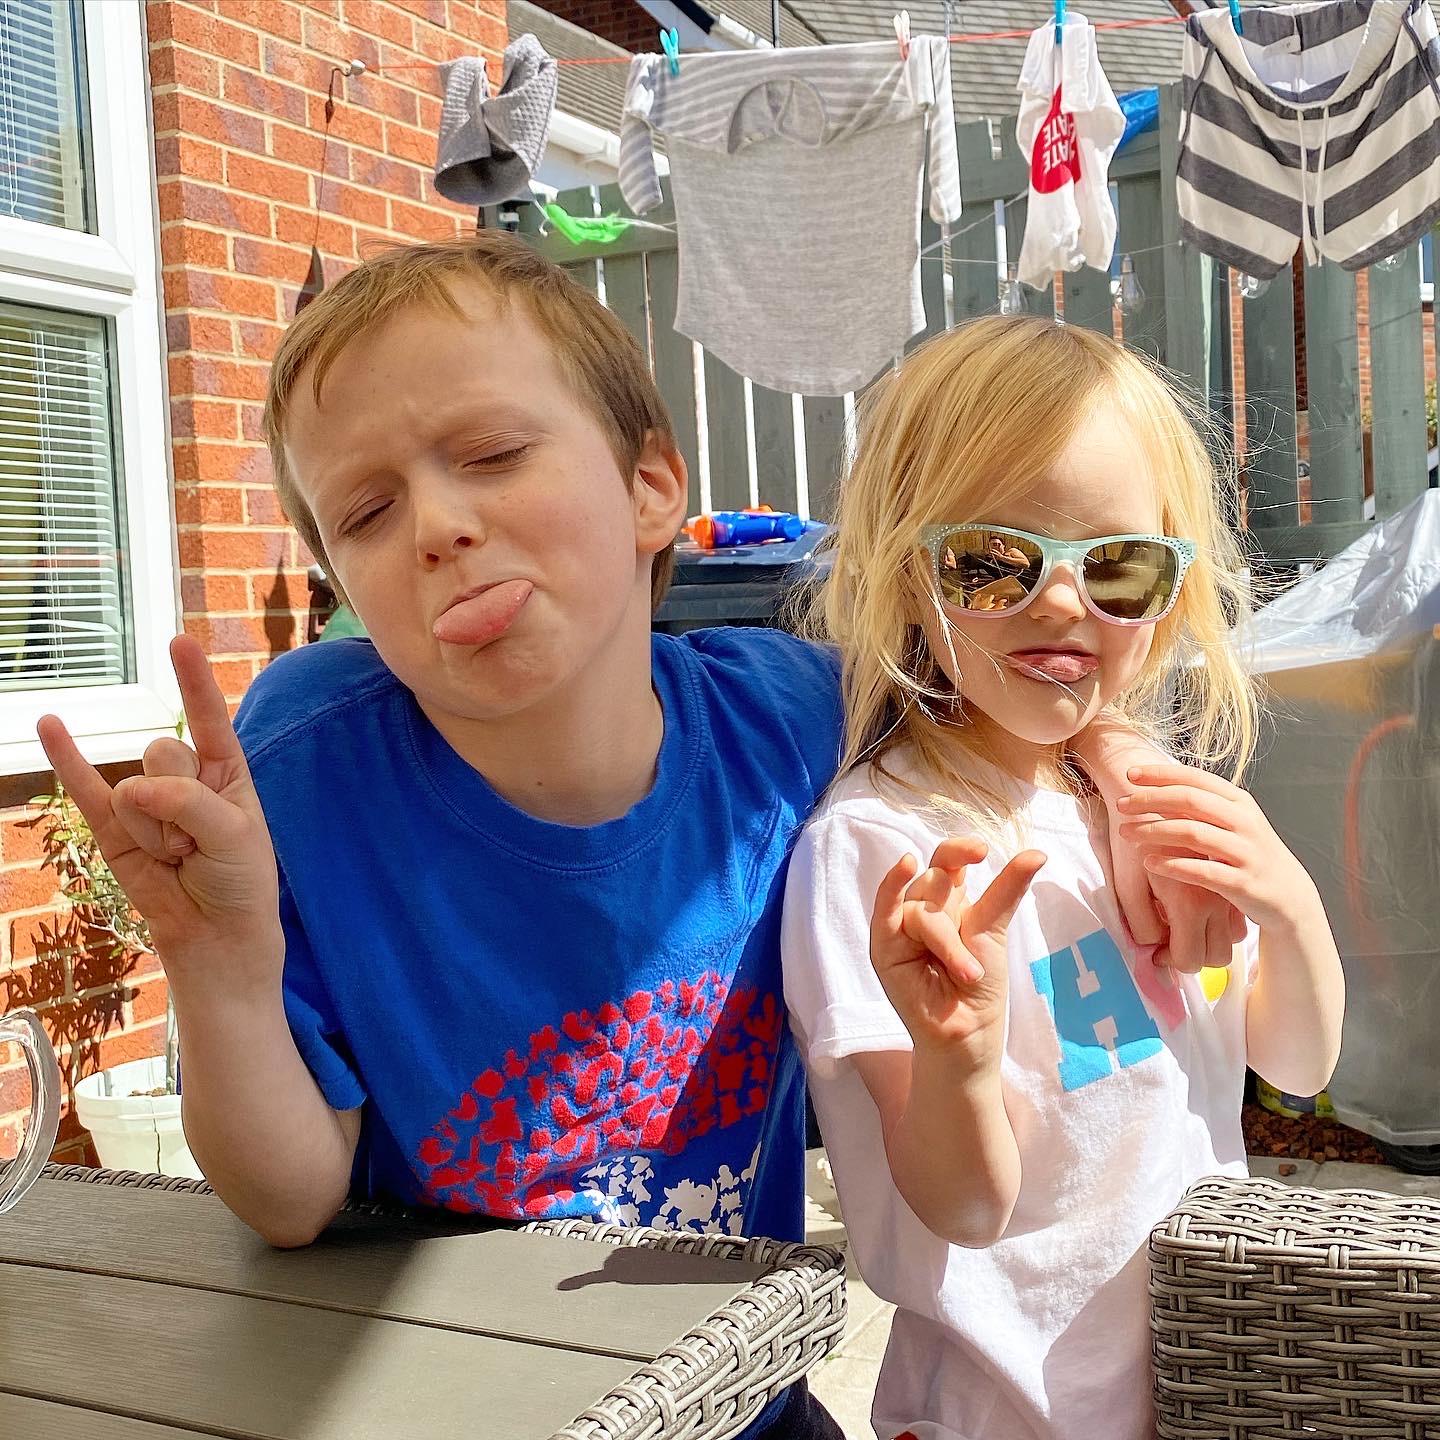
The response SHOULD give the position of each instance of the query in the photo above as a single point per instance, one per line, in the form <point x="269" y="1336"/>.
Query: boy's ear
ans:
<point x="659" y="491"/>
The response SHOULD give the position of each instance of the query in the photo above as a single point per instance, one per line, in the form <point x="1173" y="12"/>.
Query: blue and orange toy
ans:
<point x="746" y="527"/>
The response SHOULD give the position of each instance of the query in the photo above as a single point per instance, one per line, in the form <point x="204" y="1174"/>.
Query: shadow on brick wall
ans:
<point x="281" y="627"/>
<point x="77" y="982"/>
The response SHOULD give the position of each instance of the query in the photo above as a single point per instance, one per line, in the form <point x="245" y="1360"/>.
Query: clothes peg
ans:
<point x="670" y="44"/>
<point x="587" y="229"/>
<point x="902" y="33"/>
<point x="1060" y="21"/>
<point x="1235" y="16"/>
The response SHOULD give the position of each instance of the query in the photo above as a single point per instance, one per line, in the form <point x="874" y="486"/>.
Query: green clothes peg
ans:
<point x="587" y="229"/>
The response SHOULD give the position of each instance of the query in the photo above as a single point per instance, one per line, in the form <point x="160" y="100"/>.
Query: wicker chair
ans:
<point x="1284" y="1312"/>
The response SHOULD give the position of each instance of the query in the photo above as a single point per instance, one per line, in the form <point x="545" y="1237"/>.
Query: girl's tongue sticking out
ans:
<point x="1066" y="666"/>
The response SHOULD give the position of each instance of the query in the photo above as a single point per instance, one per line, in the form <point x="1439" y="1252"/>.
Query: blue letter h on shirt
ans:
<point x="1096" y="1008"/>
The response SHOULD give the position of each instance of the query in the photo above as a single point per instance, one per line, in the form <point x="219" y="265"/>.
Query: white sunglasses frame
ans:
<point x="1054" y="552"/>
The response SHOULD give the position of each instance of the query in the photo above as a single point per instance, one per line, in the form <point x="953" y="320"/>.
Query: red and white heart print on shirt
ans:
<point x="622" y="1110"/>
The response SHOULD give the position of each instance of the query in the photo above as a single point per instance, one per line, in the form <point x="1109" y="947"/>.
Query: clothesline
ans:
<point x="992" y="263"/>
<point x="788" y="340"/>
<point x="926" y="252"/>
<point x="972" y="38"/>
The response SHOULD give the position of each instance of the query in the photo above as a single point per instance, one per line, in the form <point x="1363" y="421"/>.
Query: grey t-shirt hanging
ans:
<point x="797" y="185"/>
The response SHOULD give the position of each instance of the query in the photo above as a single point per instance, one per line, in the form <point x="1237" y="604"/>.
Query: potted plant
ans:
<point x="132" y="1111"/>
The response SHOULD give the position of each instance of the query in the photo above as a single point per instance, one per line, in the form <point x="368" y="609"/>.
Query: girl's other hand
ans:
<point x="941" y="959"/>
<point x="1192" y="929"/>
<point x="1196" y="829"/>
<point x="1189" y="927"/>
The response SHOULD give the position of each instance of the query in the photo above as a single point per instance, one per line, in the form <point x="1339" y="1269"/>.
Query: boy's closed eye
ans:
<point x="349" y="529"/>
<point x="488" y="461"/>
<point x="499" y="460"/>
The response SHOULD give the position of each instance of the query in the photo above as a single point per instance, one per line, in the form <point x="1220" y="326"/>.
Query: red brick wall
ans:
<point x="621" y="22"/>
<point x="238" y="101"/>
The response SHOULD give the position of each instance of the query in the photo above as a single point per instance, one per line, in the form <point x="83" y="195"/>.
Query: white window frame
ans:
<point x="113" y="274"/>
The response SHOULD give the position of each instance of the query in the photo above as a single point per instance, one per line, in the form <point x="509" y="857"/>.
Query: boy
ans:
<point x="515" y="948"/>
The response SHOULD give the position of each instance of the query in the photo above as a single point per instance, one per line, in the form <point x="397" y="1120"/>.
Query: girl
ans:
<point x="1011" y="1096"/>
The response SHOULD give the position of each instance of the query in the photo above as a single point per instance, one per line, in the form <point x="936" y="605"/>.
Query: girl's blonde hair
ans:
<point x="975" y="418"/>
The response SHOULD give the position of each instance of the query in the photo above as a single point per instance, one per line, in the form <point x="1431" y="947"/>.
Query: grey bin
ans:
<point x="747" y="585"/>
<point x="1350" y="778"/>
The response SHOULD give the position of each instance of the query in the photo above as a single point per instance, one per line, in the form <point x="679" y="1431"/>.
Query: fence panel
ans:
<point x="1142" y="236"/>
<point x="775" y="448"/>
<point x="974" y="262"/>
<point x="1337" y="472"/>
<point x="1089" y="301"/>
<point x="824" y="452"/>
<point x="932" y="281"/>
<point x="1399" y="448"/>
<point x="1273" y="500"/>
<point x="728" y="445"/>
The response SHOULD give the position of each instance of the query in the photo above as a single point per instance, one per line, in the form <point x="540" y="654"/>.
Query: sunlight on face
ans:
<point x="1039" y="677"/>
<point x="472" y="507"/>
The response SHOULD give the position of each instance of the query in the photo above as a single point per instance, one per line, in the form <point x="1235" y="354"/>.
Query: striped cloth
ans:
<point x="797" y="183"/>
<point x="1320" y="123"/>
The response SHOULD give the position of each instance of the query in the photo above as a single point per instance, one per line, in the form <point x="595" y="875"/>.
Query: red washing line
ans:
<point x="979" y="37"/>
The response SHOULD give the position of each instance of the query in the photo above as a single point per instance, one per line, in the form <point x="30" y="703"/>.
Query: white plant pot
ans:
<point x="135" y="1132"/>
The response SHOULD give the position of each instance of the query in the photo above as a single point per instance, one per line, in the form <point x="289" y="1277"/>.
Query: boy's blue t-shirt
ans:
<point x="542" y="1020"/>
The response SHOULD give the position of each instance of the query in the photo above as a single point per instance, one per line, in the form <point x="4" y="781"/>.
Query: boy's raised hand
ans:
<point x="941" y="957"/>
<point x="186" y="840"/>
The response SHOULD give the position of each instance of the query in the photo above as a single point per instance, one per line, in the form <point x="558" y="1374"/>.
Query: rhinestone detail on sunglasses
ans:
<point x="1005" y="568"/>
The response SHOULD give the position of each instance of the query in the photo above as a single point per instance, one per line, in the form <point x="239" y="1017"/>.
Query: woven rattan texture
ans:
<point x="712" y="1382"/>
<point x="1280" y="1312"/>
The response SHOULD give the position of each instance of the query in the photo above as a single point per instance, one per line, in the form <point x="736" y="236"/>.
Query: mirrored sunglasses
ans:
<point x="994" y="570"/>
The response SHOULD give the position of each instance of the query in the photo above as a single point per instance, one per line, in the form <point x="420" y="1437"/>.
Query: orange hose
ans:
<point x="1354" y="888"/>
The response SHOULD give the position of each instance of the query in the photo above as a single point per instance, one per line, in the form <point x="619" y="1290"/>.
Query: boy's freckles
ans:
<point x="471" y="505"/>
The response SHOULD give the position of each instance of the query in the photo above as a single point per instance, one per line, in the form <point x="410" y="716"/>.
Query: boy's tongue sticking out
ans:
<point x="483" y="614"/>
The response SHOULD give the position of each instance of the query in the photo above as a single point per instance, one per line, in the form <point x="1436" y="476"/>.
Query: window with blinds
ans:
<point x="62" y="583"/>
<point x="43" y="161"/>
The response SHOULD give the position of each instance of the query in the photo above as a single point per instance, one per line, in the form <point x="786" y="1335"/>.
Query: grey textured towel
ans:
<point x="490" y="145"/>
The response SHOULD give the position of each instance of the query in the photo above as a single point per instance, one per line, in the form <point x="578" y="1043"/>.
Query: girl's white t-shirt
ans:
<point x="1123" y="1084"/>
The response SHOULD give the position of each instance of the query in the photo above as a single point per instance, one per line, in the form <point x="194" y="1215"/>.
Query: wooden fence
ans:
<point x="746" y="444"/>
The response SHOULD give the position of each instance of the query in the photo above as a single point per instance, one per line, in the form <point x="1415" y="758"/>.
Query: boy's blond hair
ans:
<point x="597" y="354"/>
<point x="975" y="418"/>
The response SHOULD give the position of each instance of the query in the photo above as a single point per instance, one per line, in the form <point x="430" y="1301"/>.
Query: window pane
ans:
<point x="62" y="582"/>
<point x="43" y="159"/>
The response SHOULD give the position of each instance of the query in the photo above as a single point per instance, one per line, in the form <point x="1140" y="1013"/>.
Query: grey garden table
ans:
<point x="138" y="1308"/>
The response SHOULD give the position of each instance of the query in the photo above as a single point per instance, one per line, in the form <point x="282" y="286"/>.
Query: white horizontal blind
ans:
<point x="42" y="153"/>
<point x="62" y="600"/>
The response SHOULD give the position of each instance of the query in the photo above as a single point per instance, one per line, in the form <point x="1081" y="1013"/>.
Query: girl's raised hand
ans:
<point x="1201" y="830"/>
<point x="187" y="839"/>
<point x="940" y="958"/>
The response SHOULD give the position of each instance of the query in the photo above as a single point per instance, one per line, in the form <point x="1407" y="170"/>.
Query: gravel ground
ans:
<point x="1308" y="1138"/>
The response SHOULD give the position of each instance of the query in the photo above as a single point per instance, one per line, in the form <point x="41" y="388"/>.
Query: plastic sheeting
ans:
<point x="1350" y="778"/>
